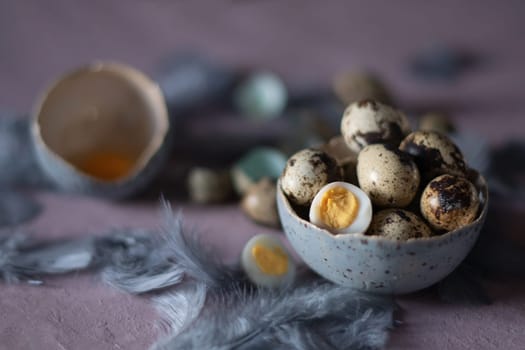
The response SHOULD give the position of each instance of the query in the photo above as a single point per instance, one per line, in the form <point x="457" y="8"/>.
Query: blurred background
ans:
<point x="462" y="58"/>
<point x="305" y="42"/>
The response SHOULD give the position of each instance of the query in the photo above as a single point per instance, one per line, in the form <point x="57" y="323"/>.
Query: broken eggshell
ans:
<point x="101" y="130"/>
<point x="378" y="264"/>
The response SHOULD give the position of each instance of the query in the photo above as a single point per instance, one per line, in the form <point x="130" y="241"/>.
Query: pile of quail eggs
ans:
<point x="381" y="178"/>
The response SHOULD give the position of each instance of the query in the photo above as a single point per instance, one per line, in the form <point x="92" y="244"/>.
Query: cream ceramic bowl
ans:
<point x="102" y="130"/>
<point x="375" y="264"/>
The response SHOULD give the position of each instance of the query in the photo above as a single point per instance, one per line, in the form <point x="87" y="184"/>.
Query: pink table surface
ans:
<point x="307" y="42"/>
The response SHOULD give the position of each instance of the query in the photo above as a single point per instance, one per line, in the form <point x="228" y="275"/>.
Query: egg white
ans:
<point x="255" y="274"/>
<point x="364" y="212"/>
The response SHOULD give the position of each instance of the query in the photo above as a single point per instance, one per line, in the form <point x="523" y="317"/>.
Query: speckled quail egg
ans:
<point x="388" y="176"/>
<point x="449" y="202"/>
<point x="398" y="224"/>
<point x="267" y="263"/>
<point x="259" y="203"/>
<point x="340" y="207"/>
<point x="434" y="153"/>
<point x="305" y="173"/>
<point x="368" y="122"/>
<point x="355" y="86"/>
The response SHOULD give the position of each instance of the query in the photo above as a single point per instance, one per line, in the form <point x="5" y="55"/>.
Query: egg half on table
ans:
<point x="267" y="263"/>
<point x="341" y="207"/>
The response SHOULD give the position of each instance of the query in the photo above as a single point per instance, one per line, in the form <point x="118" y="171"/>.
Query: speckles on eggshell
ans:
<point x="449" y="202"/>
<point x="368" y="122"/>
<point x="434" y="153"/>
<point x="305" y="173"/>
<point x="398" y="224"/>
<point x="391" y="180"/>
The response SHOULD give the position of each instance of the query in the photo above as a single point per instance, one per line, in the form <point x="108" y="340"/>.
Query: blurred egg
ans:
<point x="267" y="263"/>
<point x="261" y="96"/>
<point x="340" y="207"/>
<point x="436" y="121"/>
<point x="259" y="203"/>
<point x="355" y="86"/>
<point x="258" y="163"/>
<point x="102" y="130"/>
<point x="209" y="185"/>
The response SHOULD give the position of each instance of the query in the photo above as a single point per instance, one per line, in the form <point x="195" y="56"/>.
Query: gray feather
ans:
<point x="136" y="263"/>
<point x="179" y="309"/>
<point x="197" y="260"/>
<point x="172" y="256"/>
<point x="56" y="258"/>
<point x="318" y="314"/>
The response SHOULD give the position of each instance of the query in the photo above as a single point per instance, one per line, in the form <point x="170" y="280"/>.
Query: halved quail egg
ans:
<point x="340" y="207"/>
<point x="267" y="262"/>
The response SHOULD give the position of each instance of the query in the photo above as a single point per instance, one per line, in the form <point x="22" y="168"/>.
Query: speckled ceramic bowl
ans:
<point x="376" y="264"/>
<point x="101" y="130"/>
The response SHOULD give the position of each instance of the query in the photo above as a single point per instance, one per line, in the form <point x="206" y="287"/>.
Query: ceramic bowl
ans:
<point x="102" y="130"/>
<point x="376" y="264"/>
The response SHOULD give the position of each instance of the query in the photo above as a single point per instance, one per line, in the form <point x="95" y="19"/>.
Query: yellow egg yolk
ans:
<point x="106" y="165"/>
<point x="338" y="208"/>
<point x="270" y="260"/>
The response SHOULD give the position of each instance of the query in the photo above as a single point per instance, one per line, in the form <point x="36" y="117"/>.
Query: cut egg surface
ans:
<point x="267" y="263"/>
<point x="341" y="207"/>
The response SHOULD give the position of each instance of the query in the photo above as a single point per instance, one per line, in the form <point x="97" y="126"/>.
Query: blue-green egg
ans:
<point x="261" y="96"/>
<point x="256" y="164"/>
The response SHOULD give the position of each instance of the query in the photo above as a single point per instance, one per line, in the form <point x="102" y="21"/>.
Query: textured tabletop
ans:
<point x="305" y="41"/>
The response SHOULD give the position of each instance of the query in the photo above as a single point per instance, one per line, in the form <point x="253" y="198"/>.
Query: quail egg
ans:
<point x="305" y="173"/>
<point x="398" y="224"/>
<point x="436" y="121"/>
<point x="434" y="153"/>
<point x="351" y="87"/>
<point x="449" y="202"/>
<point x="340" y="207"/>
<point x="368" y="121"/>
<point x="267" y="263"/>
<point x="262" y="96"/>
<point x="209" y="186"/>
<point x="388" y="176"/>
<point x="256" y="164"/>
<point x="259" y="203"/>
